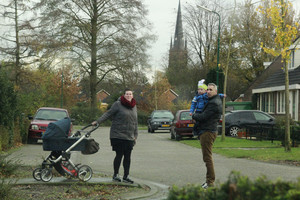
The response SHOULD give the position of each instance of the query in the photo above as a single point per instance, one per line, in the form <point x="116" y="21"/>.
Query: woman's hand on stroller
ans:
<point x="94" y="123"/>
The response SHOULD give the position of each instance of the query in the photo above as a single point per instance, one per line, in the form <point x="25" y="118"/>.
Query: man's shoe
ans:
<point x="204" y="185"/>
<point x="116" y="178"/>
<point x="127" y="180"/>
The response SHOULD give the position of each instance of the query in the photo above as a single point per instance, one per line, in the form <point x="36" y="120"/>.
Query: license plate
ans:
<point x="165" y="125"/>
<point x="190" y="125"/>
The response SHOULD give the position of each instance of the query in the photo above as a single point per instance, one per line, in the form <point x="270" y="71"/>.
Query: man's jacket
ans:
<point x="209" y="118"/>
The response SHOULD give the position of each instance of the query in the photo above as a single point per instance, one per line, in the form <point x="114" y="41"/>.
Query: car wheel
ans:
<point x="233" y="131"/>
<point x="172" y="134"/>
<point x="177" y="137"/>
<point x="32" y="141"/>
<point x="151" y="130"/>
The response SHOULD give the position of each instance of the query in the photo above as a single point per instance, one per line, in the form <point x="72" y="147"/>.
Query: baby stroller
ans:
<point x="56" y="140"/>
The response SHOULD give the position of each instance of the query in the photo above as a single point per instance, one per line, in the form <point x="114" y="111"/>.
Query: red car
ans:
<point x="182" y="125"/>
<point x="41" y="119"/>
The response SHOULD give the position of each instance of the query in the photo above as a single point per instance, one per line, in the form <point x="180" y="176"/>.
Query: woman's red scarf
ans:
<point x="128" y="104"/>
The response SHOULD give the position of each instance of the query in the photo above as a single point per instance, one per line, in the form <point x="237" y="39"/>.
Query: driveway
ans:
<point x="157" y="158"/>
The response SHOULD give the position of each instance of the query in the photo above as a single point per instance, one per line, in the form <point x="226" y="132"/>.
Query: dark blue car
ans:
<point x="160" y="120"/>
<point x="235" y="120"/>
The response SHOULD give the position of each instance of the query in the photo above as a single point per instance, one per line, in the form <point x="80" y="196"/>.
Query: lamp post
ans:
<point x="218" y="48"/>
<point x="62" y="89"/>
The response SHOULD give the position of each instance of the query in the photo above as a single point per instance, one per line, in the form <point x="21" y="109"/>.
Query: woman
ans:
<point x="123" y="132"/>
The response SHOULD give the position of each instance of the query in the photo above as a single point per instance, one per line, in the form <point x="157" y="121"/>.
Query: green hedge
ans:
<point x="13" y="127"/>
<point x="239" y="188"/>
<point x="83" y="114"/>
<point x="143" y="117"/>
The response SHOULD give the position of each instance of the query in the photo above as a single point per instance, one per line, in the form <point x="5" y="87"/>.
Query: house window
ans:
<point x="267" y="102"/>
<point x="272" y="102"/>
<point x="263" y="102"/>
<point x="293" y="101"/>
<point x="294" y="96"/>
<point x="291" y="63"/>
<point x="281" y="102"/>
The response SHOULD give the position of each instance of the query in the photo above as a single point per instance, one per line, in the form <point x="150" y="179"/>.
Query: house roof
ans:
<point x="273" y="77"/>
<point x="102" y="90"/>
<point x="278" y="79"/>
<point x="172" y="91"/>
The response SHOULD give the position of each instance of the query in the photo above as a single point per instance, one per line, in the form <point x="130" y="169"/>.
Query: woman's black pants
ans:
<point x="126" y="161"/>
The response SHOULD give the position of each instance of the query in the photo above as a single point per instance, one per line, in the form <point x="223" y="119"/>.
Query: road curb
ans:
<point x="157" y="191"/>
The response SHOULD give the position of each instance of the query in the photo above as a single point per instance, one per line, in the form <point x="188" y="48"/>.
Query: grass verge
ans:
<point x="11" y="171"/>
<point x="252" y="149"/>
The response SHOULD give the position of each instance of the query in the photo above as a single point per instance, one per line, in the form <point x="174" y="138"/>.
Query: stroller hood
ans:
<point x="58" y="129"/>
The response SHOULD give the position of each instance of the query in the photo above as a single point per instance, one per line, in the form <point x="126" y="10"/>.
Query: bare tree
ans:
<point x="202" y="34"/>
<point x="100" y="35"/>
<point x="14" y="43"/>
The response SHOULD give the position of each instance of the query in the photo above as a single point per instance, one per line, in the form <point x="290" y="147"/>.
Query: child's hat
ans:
<point x="202" y="85"/>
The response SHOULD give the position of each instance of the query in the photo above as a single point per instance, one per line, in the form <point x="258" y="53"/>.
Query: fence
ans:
<point x="272" y="133"/>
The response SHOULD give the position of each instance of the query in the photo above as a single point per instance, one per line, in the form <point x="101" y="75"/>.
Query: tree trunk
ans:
<point x="287" y="145"/>
<point x="93" y="76"/>
<point x="17" y="52"/>
<point x="225" y="79"/>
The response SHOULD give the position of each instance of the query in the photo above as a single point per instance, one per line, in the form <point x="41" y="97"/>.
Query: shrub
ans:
<point x="83" y="114"/>
<point x="239" y="188"/>
<point x="8" y="166"/>
<point x="5" y="190"/>
<point x="7" y="169"/>
<point x="8" y="100"/>
<point x="142" y="117"/>
<point x="4" y="138"/>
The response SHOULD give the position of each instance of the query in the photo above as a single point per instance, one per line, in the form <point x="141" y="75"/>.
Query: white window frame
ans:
<point x="291" y="63"/>
<point x="280" y="108"/>
<point x="272" y="97"/>
<point x="266" y="106"/>
<point x="294" y="102"/>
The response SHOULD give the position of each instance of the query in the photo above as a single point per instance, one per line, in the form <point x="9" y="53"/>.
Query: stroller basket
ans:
<point x="62" y="144"/>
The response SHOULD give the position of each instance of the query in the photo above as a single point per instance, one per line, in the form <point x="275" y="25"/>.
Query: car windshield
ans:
<point x="185" y="116"/>
<point x="44" y="114"/>
<point x="163" y="115"/>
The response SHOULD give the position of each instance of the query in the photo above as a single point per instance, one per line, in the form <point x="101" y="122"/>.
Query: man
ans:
<point x="207" y="122"/>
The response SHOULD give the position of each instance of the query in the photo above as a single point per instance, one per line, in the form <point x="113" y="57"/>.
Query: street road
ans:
<point x="157" y="158"/>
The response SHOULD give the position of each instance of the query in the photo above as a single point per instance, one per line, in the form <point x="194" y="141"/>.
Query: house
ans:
<point x="101" y="98"/>
<point x="268" y="90"/>
<point x="170" y="95"/>
<point x="102" y="95"/>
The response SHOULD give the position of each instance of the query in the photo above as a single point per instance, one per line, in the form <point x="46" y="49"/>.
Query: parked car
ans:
<point x="41" y="119"/>
<point x="182" y="125"/>
<point x="160" y="120"/>
<point x="235" y="120"/>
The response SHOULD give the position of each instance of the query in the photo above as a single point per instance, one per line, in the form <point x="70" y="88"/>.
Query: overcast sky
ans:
<point x="162" y="14"/>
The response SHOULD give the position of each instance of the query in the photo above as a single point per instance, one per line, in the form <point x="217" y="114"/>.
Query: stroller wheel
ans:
<point x="85" y="173"/>
<point x="37" y="174"/>
<point x="46" y="175"/>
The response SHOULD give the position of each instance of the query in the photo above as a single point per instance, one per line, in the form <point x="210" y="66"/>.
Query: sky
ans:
<point x="162" y="14"/>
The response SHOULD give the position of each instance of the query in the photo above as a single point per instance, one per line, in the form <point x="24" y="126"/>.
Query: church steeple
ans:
<point x="178" y="38"/>
<point x="177" y="69"/>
